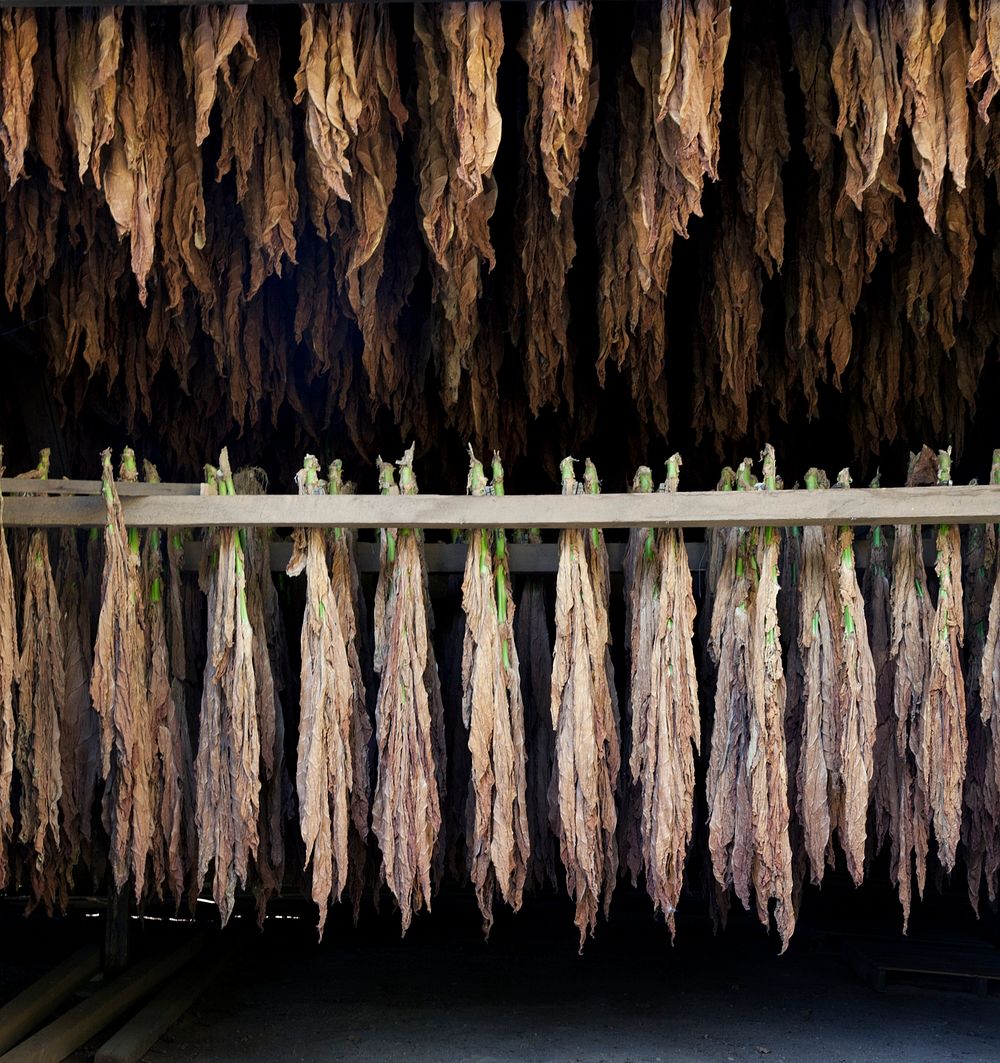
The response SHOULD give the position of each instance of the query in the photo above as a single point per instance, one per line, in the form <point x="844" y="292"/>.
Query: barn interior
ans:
<point x="611" y="231"/>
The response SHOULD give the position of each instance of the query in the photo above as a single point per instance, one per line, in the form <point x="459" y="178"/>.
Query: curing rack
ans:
<point x="78" y="504"/>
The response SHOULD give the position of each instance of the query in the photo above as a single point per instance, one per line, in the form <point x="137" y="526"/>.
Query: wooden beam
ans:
<point x="147" y="1026"/>
<point x="18" y="1017"/>
<point x="67" y="1033"/>
<point x="697" y="509"/>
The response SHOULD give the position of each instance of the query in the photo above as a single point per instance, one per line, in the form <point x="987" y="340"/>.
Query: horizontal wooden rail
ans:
<point x="696" y="509"/>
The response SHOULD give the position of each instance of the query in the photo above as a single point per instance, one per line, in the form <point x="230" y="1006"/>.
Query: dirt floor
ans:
<point x="444" y="994"/>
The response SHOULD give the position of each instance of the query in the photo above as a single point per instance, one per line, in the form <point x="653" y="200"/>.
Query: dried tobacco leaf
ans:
<point x="227" y="808"/>
<point x="767" y="769"/>
<point x="118" y="687"/>
<point x="562" y="98"/>
<point x="346" y="587"/>
<point x="270" y="665"/>
<point x="41" y="688"/>
<point x="943" y="741"/>
<point x="89" y="42"/>
<point x="985" y="18"/>
<point x="819" y="763"/>
<point x="856" y="698"/>
<point x="210" y="37"/>
<point x="912" y="634"/>
<point x="458" y="58"/>
<point x="863" y="72"/>
<point x="325" y="775"/>
<point x="764" y="149"/>
<point x="409" y="724"/>
<point x="665" y="724"/>
<point x="174" y="845"/>
<point x="18" y="45"/>
<point x="493" y="713"/>
<point x="584" y="717"/>
<point x="936" y="62"/>
<point x="348" y="85"/>
<point x="727" y="789"/>
<point x="132" y="173"/>
<point x="747" y="784"/>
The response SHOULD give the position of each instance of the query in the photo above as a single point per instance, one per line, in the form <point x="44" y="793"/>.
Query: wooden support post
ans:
<point x="153" y="1020"/>
<point x="57" y="1040"/>
<point x="116" y="928"/>
<point x="18" y="1017"/>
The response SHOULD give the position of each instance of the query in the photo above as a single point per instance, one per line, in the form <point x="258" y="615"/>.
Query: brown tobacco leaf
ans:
<point x="912" y="632"/>
<point x="631" y="318"/>
<point x="79" y="725"/>
<point x="767" y="769"/>
<point x="270" y="665"/>
<point x="838" y="727"/>
<point x="347" y="594"/>
<point x="41" y="690"/>
<point x="118" y="687"/>
<point x="91" y="40"/>
<point x="534" y="652"/>
<point x="493" y="713"/>
<point x="132" y="174"/>
<point x="348" y="86"/>
<point x="325" y="775"/>
<point x="668" y="143"/>
<point x="9" y="662"/>
<point x="227" y="805"/>
<point x="687" y="98"/>
<point x="585" y="718"/>
<point x="864" y="75"/>
<point x="732" y="311"/>
<point x="562" y="98"/>
<point x="985" y="18"/>
<point x="409" y="725"/>
<point x="257" y="146"/>
<point x="730" y="839"/>
<point x="18" y="45"/>
<point x="666" y="724"/>
<point x="943" y="741"/>
<point x="458" y="58"/>
<point x="747" y="784"/>
<point x="819" y="763"/>
<point x="174" y="848"/>
<point x="935" y="65"/>
<point x="210" y="37"/>
<point x="764" y="149"/>
<point x="857" y="701"/>
<point x="641" y="578"/>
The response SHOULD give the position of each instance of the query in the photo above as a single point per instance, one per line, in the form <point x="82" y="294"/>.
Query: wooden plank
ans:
<point x="12" y="485"/>
<point x="698" y="509"/>
<point x="18" y="1017"/>
<point x="146" y="1027"/>
<point x="67" y="1033"/>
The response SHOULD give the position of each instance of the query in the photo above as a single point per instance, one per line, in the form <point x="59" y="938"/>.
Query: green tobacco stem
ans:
<point x="592" y="485"/>
<point x="501" y="567"/>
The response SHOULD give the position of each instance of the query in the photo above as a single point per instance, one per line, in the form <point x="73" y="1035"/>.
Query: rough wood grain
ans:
<point x="694" y="509"/>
